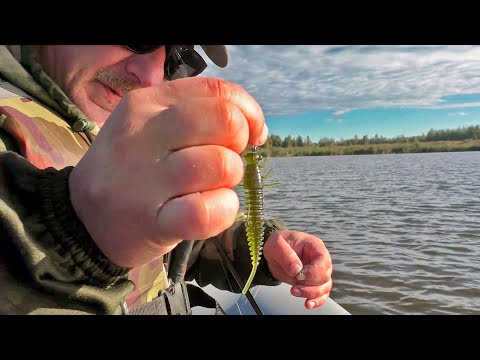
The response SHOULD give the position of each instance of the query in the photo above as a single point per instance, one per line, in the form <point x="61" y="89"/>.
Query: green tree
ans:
<point x="299" y="141"/>
<point x="288" y="142"/>
<point x="308" y="142"/>
<point x="276" y="140"/>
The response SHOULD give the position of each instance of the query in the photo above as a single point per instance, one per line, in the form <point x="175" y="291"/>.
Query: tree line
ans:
<point x="459" y="134"/>
<point x="444" y="140"/>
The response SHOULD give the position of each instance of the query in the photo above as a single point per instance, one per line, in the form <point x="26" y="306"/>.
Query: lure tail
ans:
<point x="254" y="223"/>
<point x="255" y="227"/>
<point x="250" y="278"/>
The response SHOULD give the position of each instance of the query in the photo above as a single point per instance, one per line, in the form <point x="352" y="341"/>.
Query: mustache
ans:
<point x="118" y="83"/>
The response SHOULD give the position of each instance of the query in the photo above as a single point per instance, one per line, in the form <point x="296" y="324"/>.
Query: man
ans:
<point x="88" y="217"/>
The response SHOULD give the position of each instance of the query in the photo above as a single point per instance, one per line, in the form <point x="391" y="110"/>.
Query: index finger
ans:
<point x="168" y="92"/>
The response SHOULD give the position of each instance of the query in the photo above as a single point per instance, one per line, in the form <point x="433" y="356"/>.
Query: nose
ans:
<point x="148" y="68"/>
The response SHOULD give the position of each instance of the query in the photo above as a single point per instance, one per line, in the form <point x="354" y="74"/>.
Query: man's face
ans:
<point x="95" y="77"/>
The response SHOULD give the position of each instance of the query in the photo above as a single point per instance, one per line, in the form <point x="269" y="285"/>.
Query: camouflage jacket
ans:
<point x="48" y="262"/>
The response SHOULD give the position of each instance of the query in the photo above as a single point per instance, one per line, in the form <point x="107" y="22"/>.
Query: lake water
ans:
<point x="403" y="230"/>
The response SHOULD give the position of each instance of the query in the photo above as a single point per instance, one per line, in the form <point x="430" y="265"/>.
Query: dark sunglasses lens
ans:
<point x="183" y="62"/>
<point x="142" y="49"/>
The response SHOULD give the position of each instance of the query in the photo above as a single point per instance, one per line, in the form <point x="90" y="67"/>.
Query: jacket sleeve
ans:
<point x="206" y="266"/>
<point x="48" y="262"/>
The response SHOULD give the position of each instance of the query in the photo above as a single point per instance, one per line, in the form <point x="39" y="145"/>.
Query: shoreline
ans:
<point x="372" y="149"/>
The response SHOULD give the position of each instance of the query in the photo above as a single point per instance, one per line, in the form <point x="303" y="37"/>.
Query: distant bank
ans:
<point x="445" y="140"/>
<point x="392" y="148"/>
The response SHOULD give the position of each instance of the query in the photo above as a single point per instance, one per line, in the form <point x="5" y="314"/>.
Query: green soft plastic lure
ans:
<point x="253" y="184"/>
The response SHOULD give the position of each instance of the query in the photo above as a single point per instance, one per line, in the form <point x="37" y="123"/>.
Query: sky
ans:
<point x="342" y="91"/>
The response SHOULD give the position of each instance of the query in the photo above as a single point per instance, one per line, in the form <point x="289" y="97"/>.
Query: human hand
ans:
<point x="163" y="166"/>
<point x="303" y="261"/>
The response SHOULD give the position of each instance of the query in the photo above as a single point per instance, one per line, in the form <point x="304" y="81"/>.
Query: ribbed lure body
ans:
<point x="254" y="222"/>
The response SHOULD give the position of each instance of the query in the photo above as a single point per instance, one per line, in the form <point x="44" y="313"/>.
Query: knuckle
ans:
<point x="321" y="243"/>
<point x="229" y="166"/>
<point x="218" y="87"/>
<point x="223" y="165"/>
<point x="329" y="287"/>
<point x="235" y="168"/>
<point x="236" y="163"/>
<point x="328" y="263"/>
<point x="227" y="113"/>
<point x="199" y="220"/>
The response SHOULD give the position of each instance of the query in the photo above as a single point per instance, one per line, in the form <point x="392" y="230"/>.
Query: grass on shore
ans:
<point x="391" y="148"/>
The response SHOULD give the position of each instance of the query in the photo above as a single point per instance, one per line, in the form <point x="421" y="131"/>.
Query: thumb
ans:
<point x="283" y="254"/>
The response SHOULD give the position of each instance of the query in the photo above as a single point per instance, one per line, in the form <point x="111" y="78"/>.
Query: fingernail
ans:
<point x="264" y="136"/>
<point x="311" y="304"/>
<point x="295" y="269"/>
<point x="301" y="276"/>
<point x="296" y="292"/>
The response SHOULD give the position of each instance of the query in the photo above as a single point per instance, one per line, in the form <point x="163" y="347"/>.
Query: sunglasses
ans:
<point x="181" y="60"/>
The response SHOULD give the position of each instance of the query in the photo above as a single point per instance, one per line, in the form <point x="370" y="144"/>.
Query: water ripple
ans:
<point x="403" y="230"/>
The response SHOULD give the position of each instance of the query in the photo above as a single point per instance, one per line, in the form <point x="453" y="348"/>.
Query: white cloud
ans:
<point x="458" y="113"/>
<point x="330" y="120"/>
<point x="294" y="78"/>
<point x="455" y="106"/>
